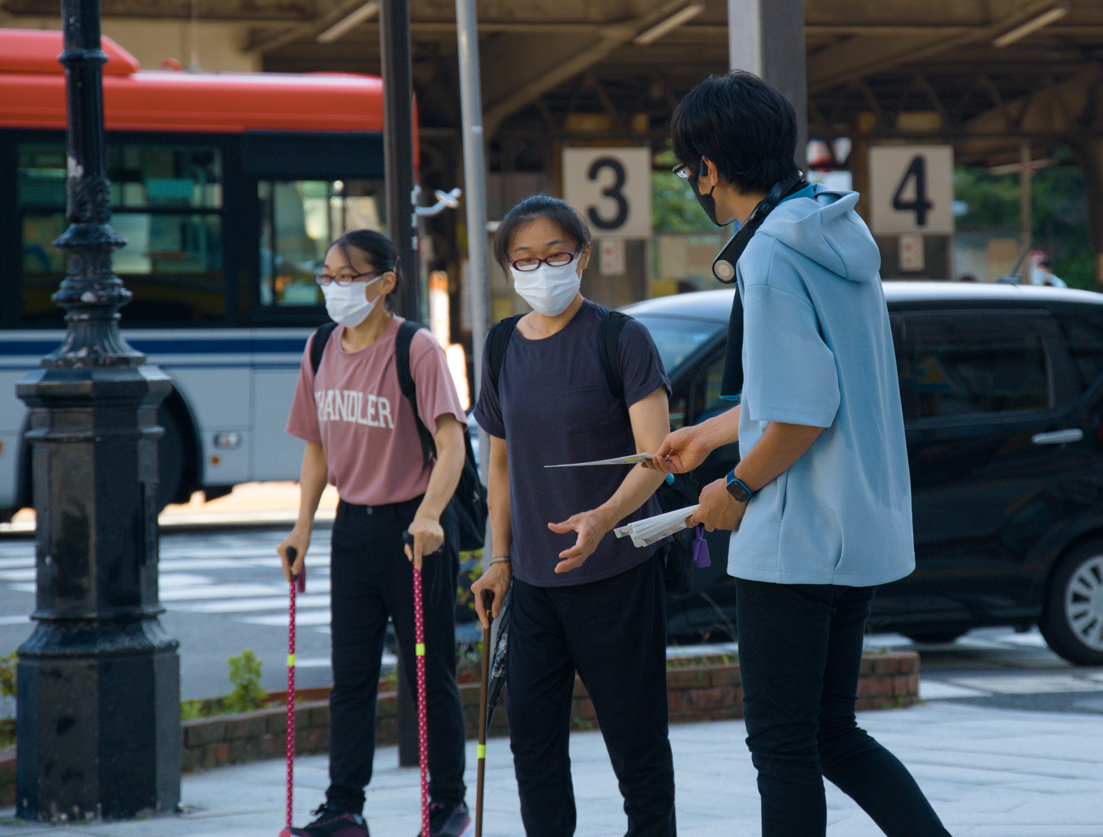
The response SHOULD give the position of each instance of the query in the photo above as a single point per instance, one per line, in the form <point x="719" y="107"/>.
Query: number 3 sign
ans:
<point x="611" y="187"/>
<point x="911" y="189"/>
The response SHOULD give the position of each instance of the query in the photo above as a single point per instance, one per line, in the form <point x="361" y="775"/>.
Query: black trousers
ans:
<point x="613" y="632"/>
<point x="371" y="580"/>
<point x="800" y="655"/>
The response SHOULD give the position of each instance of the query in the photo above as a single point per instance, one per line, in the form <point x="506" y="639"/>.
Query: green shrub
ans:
<point x="247" y="693"/>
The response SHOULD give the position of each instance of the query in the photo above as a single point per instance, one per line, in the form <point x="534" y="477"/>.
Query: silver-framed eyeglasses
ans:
<point x="554" y="260"/>
<point x="344" y="279"/>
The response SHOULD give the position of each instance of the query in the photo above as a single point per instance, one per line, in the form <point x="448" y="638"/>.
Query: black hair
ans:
<point x="533" y="208"/>
<point x="743" y="125"/>
<point x="1046" y="263"/>
<point x="380" y="251"/>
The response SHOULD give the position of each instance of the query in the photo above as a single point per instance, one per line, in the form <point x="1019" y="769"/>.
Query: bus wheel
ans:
<point x="170" y="458"/>
<point x="1072" y="621"/>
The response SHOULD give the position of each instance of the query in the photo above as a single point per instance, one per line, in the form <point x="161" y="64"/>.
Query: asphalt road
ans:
<point x="223" y="592"/>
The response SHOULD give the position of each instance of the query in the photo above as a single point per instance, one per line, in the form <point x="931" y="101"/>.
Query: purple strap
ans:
<point x="700" y="547"/>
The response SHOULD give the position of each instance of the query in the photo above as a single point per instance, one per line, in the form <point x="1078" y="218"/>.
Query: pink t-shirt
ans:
<point x="356" y="411"/>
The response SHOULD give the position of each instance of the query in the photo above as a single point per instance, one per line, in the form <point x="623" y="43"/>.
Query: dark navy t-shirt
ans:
<point x="553" y="405"/>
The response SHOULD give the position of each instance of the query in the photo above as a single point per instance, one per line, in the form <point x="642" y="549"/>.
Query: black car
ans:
<point x="1002" y="391"/>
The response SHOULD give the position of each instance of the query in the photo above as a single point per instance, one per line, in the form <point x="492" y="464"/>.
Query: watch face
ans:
<point x="739" y="491"/>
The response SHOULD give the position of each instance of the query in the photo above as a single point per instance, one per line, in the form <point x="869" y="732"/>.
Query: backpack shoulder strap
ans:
<point x="612" y="324"/>
<point x="496" y="341"/>
<point x="318" y="345"/>
<point x="406" y="332"/>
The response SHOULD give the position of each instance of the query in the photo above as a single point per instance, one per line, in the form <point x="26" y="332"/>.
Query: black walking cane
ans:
<point x="488" y="601"/>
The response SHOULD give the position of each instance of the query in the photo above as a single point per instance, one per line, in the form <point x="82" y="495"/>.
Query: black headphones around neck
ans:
<point x="723" y="266"/>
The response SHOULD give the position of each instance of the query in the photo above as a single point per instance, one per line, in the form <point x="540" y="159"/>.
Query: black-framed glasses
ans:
<point x="682" y="170"/>
<point x="344" y="280"/>
<point x="554" y="260"/>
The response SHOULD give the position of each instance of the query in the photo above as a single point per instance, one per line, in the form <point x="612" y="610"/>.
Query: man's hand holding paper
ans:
<point x="718" y="509"/>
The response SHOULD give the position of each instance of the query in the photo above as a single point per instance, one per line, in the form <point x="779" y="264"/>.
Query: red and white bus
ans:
<point x="227" y="186"/>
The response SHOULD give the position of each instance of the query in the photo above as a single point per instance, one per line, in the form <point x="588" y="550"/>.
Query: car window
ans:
<point x="677" y="338"/>
<point x="699" y="399"/>
<point x="954" y="377"/>
<point x="1084" y="338"/>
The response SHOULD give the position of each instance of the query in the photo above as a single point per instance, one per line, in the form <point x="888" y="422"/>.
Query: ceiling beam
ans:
<point x="519" y="70"/>
<point x="863" y="56"/>
<point x="1037" y="116"/>
<point x="268" y="41"/>
<point x="924" y="84"/>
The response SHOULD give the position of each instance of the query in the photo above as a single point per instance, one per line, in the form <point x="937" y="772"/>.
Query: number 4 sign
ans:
<point x="611" y="187"/>
<point x="911" y="189"/>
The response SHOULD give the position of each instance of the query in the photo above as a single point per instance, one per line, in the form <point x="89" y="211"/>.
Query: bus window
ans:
<point x="165" y="201"/>
<point x="299" y="218"/>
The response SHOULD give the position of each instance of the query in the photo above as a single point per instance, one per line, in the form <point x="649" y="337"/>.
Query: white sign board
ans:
<point x="612" y="255"/>
<point x="911" y="189"/>
<point x="911" y="252"/>
<point x="611" y="187"/>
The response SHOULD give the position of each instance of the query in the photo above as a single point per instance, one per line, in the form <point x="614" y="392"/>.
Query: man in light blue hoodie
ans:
<point x="820" y="501"/>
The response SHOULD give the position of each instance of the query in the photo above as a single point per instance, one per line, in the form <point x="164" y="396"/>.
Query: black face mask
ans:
<point x="708" y="202"/>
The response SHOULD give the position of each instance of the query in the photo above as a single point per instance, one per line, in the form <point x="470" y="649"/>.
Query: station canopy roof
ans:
<point x="983" y="74"/>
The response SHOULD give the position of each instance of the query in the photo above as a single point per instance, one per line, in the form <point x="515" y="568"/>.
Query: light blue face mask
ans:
<point x="549" y="290"/>
<point x="348" y="305"/>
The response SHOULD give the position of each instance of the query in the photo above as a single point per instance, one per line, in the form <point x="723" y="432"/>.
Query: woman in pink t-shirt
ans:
<point x="361" y="436"/>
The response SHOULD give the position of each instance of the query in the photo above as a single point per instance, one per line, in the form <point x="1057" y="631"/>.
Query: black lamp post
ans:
<point x="398" y="156"/>
<point x="98" y="723"/>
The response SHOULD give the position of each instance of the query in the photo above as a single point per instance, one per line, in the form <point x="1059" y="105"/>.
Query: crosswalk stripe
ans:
<point x="215" y="591"/>
<point x="267" y="603"/>
<point x="311" y="617"/>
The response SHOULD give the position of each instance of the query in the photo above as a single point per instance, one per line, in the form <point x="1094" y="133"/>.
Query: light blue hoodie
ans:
<point x="817" y="350"/>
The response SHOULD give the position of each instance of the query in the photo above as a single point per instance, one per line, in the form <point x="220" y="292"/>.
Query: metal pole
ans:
<point x="398" y="149"/>
<point x="398" y="159"/>
<point x="98" y="723"/>
<point x="474" y="177"/>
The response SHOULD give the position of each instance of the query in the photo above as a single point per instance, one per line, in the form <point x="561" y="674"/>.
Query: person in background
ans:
<point x="820" y="501"/>
<point x="362" y="437"/>
<point x="1044" y="275"/>
<point x="582" y="599"/>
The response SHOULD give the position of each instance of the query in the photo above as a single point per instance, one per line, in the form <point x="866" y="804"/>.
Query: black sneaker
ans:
<point x="449" y="820"/>
<point x="332" y="821"/>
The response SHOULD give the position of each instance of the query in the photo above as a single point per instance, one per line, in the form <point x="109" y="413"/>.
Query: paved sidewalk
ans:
<point x="988" y="772"/>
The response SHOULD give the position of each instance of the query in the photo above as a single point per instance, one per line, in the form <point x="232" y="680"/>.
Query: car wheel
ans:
<point x="934" y="637"/>
<point x="1072" y="622"/>
<point x="170" y="458"/>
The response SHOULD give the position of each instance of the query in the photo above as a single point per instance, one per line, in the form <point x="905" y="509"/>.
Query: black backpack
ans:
<point x="469" y="502"/>
<point x="677" y="493"/>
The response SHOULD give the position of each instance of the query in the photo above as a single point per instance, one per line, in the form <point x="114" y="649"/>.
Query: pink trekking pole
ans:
<point x="297" y="582"/>
<point x="419" y="652"/>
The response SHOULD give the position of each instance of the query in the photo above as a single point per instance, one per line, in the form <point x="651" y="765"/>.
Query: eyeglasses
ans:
<point x="682" y="170"/>
<point x="554" y="260"/>
<point x="324" y="279"/>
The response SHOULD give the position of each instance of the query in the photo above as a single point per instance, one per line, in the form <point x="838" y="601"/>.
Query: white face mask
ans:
<point x="548" y="289"/>
<point x="348" y="305"/>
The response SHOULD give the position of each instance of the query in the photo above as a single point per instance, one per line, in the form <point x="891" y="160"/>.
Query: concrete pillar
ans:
<point x="766" y="37"/>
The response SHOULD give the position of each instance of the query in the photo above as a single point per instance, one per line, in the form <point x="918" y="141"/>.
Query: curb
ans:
<point x="888" y="680"/>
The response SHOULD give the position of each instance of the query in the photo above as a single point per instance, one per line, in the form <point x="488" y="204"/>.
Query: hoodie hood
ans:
<point x="824" y="230"/>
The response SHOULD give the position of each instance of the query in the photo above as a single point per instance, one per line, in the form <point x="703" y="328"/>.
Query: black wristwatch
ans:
<point x="738" y="489"/>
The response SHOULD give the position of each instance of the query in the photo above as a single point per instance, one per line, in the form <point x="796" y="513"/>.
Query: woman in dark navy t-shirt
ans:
<point x="583" y="600"/>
